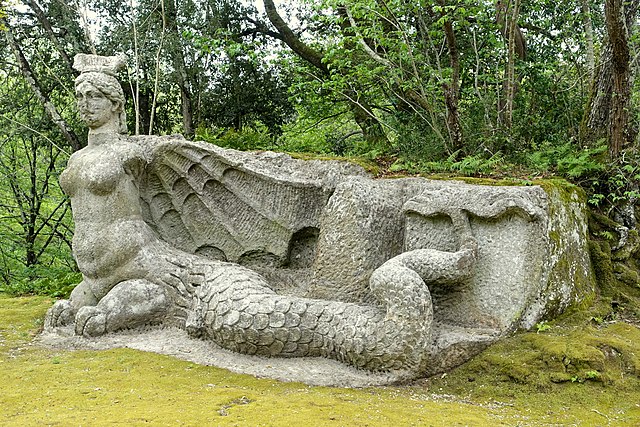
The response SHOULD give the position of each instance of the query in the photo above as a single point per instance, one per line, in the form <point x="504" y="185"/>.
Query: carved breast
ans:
<point x="95" y="169"/>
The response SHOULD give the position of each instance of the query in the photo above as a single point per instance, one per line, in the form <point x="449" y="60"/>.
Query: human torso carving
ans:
<point x="96" y="170"/>
<point x="106" y="207"/>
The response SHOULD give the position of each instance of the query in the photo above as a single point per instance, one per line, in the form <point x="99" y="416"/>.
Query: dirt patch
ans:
<point x="175" y="342"/>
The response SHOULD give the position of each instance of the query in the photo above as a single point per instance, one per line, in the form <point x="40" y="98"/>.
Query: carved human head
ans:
<point x="100" y="96"/>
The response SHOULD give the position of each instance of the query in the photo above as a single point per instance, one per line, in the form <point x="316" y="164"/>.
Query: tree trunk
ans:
<point x="372" y="132"/>
<point x="298" y="46"/>
<point x="596" y="120"/>
<point x="452" y="89"/>
<point x="588" y="35"/>
<point x="608" y="110"/>
<point x="507" y="20"/>
<point x="177" y="58"/>
<point x="621" y="67"/>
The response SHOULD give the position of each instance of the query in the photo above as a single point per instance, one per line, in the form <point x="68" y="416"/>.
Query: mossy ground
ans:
<point x="581" y="371"/>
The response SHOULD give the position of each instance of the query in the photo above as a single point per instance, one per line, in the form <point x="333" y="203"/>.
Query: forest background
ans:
<point x="507" y="89"/>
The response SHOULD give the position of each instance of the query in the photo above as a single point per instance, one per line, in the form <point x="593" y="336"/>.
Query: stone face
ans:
<point x="268" y="255"/>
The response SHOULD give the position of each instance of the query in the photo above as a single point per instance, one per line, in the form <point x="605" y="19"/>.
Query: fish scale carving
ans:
<point x="234" y="307"/>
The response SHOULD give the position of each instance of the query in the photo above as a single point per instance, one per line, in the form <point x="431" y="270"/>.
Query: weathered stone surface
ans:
<point x="264" y="254"/>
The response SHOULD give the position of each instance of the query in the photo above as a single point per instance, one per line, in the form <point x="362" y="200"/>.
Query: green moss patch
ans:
<point x="20" y="320"/>
<point x="604" y="354"/>
<point x="586" y="363"/>
<point x="366" y="164"/>
<point x="525" y="380"/>
<point x="617" y="266"/>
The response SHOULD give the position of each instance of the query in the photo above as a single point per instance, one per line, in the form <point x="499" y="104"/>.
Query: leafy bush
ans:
<point x="568" y="160"/>
<point x="618" y="184"/>
<point x="57" y="284"/>
<point x="478" y="164"/>
<point x="249" y="139"/>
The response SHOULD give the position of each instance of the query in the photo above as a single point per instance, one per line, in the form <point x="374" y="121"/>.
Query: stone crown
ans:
<point x="100" y="64"/>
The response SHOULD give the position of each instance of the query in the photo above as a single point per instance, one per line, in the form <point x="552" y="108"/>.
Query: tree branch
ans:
<point x="292" y="40"/>
<point x="30" y="77"/>
<point x="50" y="33"/>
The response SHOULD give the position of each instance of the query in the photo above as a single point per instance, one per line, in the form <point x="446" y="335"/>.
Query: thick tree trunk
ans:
<point x="621" y="67"/>
<point x="608" y="112"/>
<point x="596" y="120"/>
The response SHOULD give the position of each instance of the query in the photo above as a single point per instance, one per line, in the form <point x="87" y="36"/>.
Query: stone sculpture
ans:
<point x="264" y="254"/>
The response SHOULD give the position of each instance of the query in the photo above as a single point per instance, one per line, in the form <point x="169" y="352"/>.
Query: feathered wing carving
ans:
<point x="229" y="205"/>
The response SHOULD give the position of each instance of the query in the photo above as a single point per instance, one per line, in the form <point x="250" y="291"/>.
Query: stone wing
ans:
<point x="224" y="204"/>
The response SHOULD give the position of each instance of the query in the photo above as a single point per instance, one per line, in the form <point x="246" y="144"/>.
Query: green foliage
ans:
<point x="542" y="326"/>
<point x="52" y="283"/>
<point x="467" y="166"/>
<point x="3" y="14"/>
<point x="416" y="139"/>
<point x="248" y="139"/>
<point x="619" y="183"/>
<point x="35" y="226"/>
<point x="568" y="160"/>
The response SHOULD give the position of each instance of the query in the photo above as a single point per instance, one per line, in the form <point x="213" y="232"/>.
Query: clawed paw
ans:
<point x="91" y="321"/>
<point x="60" y="314"/>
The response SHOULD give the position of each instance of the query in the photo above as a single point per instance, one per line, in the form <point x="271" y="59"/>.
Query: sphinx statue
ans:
<point x="272" y="256"/>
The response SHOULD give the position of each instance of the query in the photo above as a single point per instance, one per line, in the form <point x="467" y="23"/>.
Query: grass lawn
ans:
<point x="578" y="372"/>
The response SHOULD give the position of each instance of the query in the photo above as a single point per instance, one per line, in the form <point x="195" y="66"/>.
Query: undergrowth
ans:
<point x="53" y="283"/>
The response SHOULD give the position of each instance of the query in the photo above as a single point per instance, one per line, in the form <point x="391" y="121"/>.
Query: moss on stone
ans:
<point x="585" y="358"/>
<point x="599" y="222"/>
<point x="503" y="182"/>
<point x="600" y="252"/>
<point x="366" y="164"/>
<point x="629" y="249"/>
<point x="617" y="272"/>
<point x="626" y="274"/>
<point x="567" y="207"/>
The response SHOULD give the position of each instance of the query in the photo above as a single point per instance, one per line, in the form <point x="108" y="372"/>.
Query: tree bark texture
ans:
<point x="621" y="67"/>
<point x="452" y="89"/>
<point x="507" y="14"/>
<point x="607" y="115"/>
<point x="588" y="35"/>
